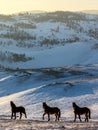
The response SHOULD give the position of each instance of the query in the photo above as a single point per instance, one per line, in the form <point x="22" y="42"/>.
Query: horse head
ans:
<point x="12" y="104"/>
<point x="44" y="104"/>
<point x="74" y="104"/>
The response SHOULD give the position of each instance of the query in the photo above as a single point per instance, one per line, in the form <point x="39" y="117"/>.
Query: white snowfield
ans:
<point x="57" y="74"/>
<point x="49" y="40"/>
<point x="59" y="86"/>
<point x="69" y="54"/>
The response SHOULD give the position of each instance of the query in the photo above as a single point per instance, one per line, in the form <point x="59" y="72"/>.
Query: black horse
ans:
<point x="15" y="110"/>
<point x="51" y="110"/>
<point x="80" y="111"/>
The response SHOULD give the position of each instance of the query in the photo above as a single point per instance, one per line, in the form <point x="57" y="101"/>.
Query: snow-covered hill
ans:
<point x="59" y="86"/>
<point x="56" y="86"/>
<point x="48" y="40"/>
<point x="48" y="57"/>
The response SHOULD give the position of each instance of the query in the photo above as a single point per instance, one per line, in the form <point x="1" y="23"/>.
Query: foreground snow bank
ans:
<point x="43" y="125"/>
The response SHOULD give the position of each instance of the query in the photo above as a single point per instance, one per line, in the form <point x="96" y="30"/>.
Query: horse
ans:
<point x="80" y="111"/>
<point x="15" y="110"/>
<point x="51" y="110"/>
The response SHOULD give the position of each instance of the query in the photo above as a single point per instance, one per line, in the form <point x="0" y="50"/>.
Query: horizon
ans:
<point x="17" y="6"/>
<point x="43" y="11"/>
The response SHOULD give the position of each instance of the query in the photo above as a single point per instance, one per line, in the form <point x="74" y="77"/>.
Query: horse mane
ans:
<point x="12" y="104"/>
<point x="75" y="105"/>
<point x="45" y="105"/>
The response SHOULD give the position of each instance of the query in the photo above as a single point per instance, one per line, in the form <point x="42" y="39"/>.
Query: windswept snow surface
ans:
<point x="48" y="40"/>
<point x="56" y="86"/>
<point x="57" y="74"/>
<point x="69" y="54"/>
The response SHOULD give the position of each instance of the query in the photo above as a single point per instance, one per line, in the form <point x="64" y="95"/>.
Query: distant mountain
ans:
<point x="32" y="12"/>
<point x="90" y="11"/>
<point x="37" y="11"/>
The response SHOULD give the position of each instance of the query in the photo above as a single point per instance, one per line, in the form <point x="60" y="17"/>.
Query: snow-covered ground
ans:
<point x="44" y="125"/>
<point x="69" y="54"/>
<point x="57" y="74"/>
<point x="48" y="40"/>
<point x="59" y="86"/>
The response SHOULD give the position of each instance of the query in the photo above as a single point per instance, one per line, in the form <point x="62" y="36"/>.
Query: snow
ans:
<point x="69" y="54"/>
<point x="57" y="75"/>
<point x="66" y="53"/>
<point x="70" y="84"/>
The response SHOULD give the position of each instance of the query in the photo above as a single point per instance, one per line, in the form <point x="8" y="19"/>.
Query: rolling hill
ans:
<point x="48" y="57"/>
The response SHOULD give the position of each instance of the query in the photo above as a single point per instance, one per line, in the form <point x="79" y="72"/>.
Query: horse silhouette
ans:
<point x="15" y="109"/>
<point x="51" y="110"/>
<point x="80" y="111"/>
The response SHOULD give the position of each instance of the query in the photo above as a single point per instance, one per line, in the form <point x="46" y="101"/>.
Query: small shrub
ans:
<point x="13" y="57"/>
<point x="25" y="25"/>
<point x="47" y="42"/>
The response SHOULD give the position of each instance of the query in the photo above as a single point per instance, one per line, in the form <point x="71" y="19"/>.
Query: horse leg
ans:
<point x="15" y="115"/>
<point x="12" y="115"/>
<point x="80" y="118"/>
<point x="75" y="118"/>
<point x="20" y="115"/>
<point x="25" y="115"/>
<point x="44" y="115"/>
<point x="48" y="117"/>
<point x="56" y="117"/>
<point x="86" y="117"/>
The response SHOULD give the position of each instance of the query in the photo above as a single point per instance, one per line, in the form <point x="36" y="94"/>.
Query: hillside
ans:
<point x="58" y="87"/>
<point x="90" y="11"/>
<point x="38" y="40"/>
<point x="52" y="58"/>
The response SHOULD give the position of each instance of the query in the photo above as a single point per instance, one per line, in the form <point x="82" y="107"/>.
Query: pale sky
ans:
<point x="13" y="6"/>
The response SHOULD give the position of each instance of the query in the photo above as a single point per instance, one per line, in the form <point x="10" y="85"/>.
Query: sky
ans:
<point x="14" y="6"/>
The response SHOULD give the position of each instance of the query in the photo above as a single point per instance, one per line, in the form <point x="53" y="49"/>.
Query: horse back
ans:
<point x="52" y="110"/>
<point x="81" y="111"/>
<point x="19" y="109"/>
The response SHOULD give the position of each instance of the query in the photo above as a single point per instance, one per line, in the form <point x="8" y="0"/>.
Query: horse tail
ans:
<point x="25" y="115"/>
<point x="89" y="112"/>
<point x="59" y="113"/>
<point x="24" y="111"/>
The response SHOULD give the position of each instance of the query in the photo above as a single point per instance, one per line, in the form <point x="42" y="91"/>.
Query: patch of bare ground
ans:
<point x="28" y="124"/>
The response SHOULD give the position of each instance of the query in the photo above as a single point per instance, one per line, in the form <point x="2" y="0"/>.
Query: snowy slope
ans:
<point x="48" y="40"/>
<point x="69" y="54"/>
<point x="56" y="86"/>
<point x="48" y="61"/>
